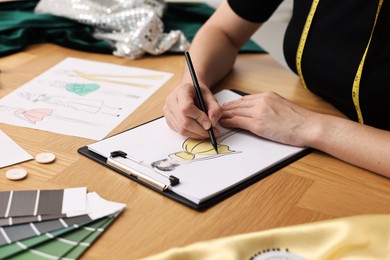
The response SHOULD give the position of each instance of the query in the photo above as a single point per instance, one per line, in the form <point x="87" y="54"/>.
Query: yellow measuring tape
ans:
<point x="358" y="76"/>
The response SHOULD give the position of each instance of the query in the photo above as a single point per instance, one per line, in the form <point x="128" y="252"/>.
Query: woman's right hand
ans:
<point x="183" y="115"/>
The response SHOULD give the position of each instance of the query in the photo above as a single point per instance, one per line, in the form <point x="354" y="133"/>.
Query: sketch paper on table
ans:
<point x="10" y="152"/>
<point x="202" y="173"/>
<point x="80" y="97"/>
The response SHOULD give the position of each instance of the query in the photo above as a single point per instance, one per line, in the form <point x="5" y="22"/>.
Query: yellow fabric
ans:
<point x="357" y="237"/>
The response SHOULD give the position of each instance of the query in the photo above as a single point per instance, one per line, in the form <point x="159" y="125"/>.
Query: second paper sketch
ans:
<point x="81" y="97"/>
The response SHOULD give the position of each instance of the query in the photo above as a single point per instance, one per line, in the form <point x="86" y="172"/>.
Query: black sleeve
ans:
<point x="256" y="11"/>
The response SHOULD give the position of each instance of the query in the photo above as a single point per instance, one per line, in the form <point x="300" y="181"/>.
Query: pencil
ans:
<point x="200" y="98"/>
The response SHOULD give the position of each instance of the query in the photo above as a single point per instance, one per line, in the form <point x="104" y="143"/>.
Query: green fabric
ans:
<point x="20" y="27"/>
<point x="189" y="17"/>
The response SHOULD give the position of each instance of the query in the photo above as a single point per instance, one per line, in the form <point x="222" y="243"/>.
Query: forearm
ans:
<point x="213" y="56"/>
<point x="215" y="46"/>
<point x="361" y="145"/>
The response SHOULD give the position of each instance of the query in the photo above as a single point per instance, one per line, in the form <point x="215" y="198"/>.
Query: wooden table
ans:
<point x="316" y="187"/>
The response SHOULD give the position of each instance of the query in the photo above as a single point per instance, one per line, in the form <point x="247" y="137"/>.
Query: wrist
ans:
<point x="322" y="130"/>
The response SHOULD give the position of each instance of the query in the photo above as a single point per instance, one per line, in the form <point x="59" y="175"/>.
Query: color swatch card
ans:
<point x="70" y="245"/>
<point x="80" y="97"/>
<point x="63" y="226"/>
<point x="43" y="202"/>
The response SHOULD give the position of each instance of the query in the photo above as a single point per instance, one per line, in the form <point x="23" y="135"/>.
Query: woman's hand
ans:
<point x="270" y="116"/>
<point x="273" y="117"/>
<point x="183" y="116"/>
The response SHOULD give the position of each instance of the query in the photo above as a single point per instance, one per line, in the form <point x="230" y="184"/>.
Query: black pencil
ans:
<point x="200" y="98"/>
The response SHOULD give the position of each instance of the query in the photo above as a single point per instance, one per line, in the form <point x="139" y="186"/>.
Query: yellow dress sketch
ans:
<point x="195" y="150"/>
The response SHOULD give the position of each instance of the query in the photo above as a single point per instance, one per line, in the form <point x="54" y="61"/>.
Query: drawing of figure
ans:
<point x="92" y="106"/>
<point x="112" y="78"/>
<point x="195" y="150"/>
<point x="35" y="115"/>
<point x="83" y="89"/>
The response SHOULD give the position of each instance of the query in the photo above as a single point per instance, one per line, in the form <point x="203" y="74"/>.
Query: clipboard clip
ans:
<point x="132" y="172"/>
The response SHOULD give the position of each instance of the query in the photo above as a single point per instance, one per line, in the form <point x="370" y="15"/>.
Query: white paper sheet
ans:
<point x="10" y="152"/>
<point x="202" y="176"/>
<point x="100" y="207"/>
<point x="80" y="97"/>
<point x="74" y="201"/>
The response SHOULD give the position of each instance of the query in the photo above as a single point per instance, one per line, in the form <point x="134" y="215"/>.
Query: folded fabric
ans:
<point x="357" y="237"/>
<point x="189" y="17"/>
<point x="20" y="27"/>
<point x="134" y="27"/>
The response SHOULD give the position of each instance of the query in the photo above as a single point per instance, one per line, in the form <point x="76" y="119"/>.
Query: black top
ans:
<point x="335" y="45"/>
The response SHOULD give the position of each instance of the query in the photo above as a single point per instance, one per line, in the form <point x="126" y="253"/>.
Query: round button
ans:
<point x="45" y="157"/>
<point x="16" y="174"/>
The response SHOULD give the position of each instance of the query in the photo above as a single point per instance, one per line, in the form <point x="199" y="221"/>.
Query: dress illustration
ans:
<point x="92" y="106"/>
<point x="196" y="150"/>
<point x="36" y="115"/>
<point x="108" y="78"/>
<point x="84" y="89"/>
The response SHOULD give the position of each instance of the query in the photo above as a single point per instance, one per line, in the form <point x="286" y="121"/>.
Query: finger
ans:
<point x="189" y="110"/>
<point x="187" y="129"/>
<point x="246" y="123"/>
<point x="237" y="112"/>
<point x="189" y="119"/>
<point x="182" y="114"/>
<point x="237" y="122"/>
<point x="241" y="102"/>
<point x="214" y="109"/>
<point x="185" y="126"/>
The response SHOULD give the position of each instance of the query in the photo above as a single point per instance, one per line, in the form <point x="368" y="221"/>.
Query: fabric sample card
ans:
<point x="23" y="203"/>
<point x="70" y="201"/>
<point x="20" y="220"/>
<point x="69" y="245"/>
<point x="79" y="238"/>
<point x="33" y="224"/>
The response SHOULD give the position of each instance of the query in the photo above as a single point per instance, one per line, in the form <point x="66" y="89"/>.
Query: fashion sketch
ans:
<point x="113" y="78"/>
<point x="92" y="106"/>
<point x="36" y="115"/>
<point x="196" y="150"/>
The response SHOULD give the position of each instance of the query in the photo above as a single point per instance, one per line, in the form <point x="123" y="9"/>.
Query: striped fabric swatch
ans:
<point x="42" y="202"/>
<point x="52" y="231"/>
<point x="15" y="233"/>
<point x="27" y="219"/>
<point x="98" y="208"/>
<point x="12" y="249"/>
<point x="65" y="244"/>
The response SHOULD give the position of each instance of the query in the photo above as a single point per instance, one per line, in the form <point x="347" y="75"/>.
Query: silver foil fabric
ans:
<point x="134" y="27"/>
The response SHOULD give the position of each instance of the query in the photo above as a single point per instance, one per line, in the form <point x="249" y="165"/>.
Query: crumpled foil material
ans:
<point x="134" y="27"/>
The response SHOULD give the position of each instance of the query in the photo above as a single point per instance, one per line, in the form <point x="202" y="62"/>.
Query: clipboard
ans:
<point x="166" y="189"/>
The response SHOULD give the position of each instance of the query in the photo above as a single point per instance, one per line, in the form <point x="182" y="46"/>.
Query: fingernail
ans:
<point x="206" y="125"/>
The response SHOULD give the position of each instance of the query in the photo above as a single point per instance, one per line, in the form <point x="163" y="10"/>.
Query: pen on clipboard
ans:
<point x="200" y="98"/>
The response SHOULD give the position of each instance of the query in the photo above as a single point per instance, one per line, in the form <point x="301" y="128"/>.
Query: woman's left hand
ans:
<point x="270" y="116"/>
